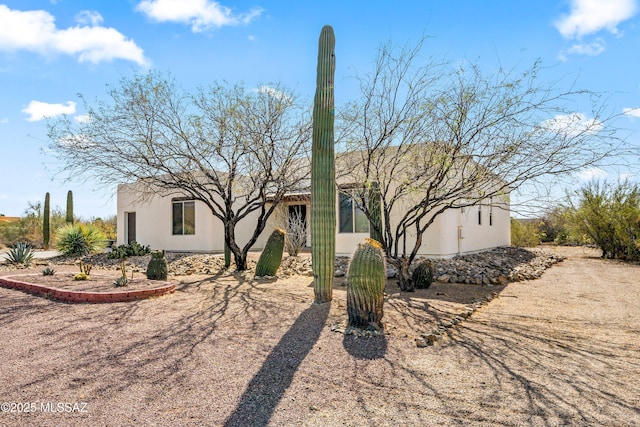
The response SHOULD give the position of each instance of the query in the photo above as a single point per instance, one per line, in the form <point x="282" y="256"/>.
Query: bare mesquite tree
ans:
<point x="436" y="137"/>
<point x="234" y="150"/>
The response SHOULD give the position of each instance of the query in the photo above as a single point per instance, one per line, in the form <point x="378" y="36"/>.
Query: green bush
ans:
<point x="524" y="234"/>
<point x="20" y="253"/>
<point x="609" y="216"/>
<point x="79" y="239"/>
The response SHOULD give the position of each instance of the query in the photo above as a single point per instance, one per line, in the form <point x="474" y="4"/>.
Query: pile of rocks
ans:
<point x="497" y="266"/>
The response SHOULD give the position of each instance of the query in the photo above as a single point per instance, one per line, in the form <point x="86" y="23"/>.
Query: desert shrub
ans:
<point x="79" y="239"/>
<point x="132" y="249"/>
<point x="296" y="235"/>
<point x="20" y="253"/>
<point x="609" y="216"/>
<point x="107" y="226"/>
<point x="524" y="234"/>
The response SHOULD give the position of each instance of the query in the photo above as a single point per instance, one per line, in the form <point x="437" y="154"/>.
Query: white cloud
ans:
<point x="592" y="16"/>
<point x="633" y="112"/>
<point x="592" y="173"/>
<point x="89" y="17"/>
<point x="35" y="31"/>
<point x="202" y="15"/>
<point x="4" y="121"/>
<point x="572" y="125"/>
<point x="591" y="49"/>
<point x="41" y="110"/>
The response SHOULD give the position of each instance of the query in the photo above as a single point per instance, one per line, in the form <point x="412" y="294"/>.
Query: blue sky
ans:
<point x="51" y="50"/>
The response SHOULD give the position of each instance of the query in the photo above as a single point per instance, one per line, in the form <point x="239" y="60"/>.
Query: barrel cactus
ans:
<point x="271" y="256"/>
<point x="157" y="268"/>
<point x="323" y="190"/>
<point x="366" y="280"/>
<point x="422" y="276"/>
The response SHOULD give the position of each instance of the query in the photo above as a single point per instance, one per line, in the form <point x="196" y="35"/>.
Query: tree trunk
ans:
<point x="240" y="260"/>
<point x="404" y="278"/>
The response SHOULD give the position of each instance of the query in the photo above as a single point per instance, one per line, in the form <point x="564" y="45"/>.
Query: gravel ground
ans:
<point x="229" y="350"/>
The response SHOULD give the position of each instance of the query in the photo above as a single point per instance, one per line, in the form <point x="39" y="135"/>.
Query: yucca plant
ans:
<point x="79" y="239"/>
<point x="20" y="253"/>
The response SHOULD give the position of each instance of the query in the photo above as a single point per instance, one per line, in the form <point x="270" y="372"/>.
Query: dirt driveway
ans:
<point x="560" y="350"/>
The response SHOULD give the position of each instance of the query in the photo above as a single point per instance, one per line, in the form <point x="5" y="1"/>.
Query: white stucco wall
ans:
<point x="154" y="219"/>
<point x="442" y="238"/>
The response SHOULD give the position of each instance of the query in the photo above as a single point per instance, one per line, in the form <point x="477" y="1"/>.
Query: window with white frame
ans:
<point x="184" y="217"/>
<point x="352" y="219"/>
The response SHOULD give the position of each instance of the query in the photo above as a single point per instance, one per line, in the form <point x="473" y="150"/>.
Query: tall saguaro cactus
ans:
<point x="46" y="221"/>
<point x="323" y="190"/>
<point x="69" y="207"/>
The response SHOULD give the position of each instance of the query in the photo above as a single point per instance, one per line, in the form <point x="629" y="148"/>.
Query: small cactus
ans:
<point x="48" y="271"/>
<point x="422" y="276"/>
<point x="69" y="216"/>
<point x="157" y="268"/>
<point x="271" y="256"/>
<point x="366" y="280"/>
<point x="46" y="221"/>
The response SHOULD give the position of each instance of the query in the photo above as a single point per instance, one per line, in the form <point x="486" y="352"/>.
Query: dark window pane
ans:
<point x="177" y="218"/>
<point x="346" y="214"/>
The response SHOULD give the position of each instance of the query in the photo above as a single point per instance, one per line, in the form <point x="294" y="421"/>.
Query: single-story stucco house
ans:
<point x="180" y="224"/>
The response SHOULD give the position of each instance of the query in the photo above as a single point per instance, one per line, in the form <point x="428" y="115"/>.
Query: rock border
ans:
<point x="85" y="296"/>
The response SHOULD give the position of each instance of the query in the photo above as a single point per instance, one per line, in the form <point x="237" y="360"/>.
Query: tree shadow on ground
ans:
<point x="268" y="386"/>
<point x="577" y="390"/>
<point x="365" y="348"/>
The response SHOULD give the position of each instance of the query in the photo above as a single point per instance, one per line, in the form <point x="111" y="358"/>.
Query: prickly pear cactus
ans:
<point x="366" y="280"/>
<point x="157" y="268"/>
<point x="323" y="190"/>
<point x="422" y="276"/>
<point x="271" y="256"/>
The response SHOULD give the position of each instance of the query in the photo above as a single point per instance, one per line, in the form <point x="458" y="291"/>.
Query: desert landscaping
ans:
<point x="229" y="349"/>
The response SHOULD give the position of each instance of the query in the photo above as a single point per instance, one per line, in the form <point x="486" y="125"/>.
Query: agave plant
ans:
<point x="20" y="253"/>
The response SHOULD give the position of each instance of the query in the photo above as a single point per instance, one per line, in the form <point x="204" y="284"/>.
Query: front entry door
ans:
<point x="131" y="227"/>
